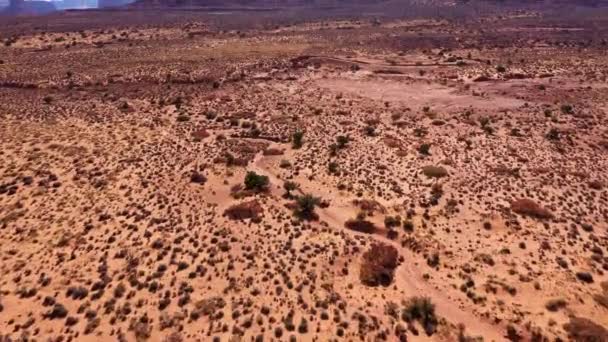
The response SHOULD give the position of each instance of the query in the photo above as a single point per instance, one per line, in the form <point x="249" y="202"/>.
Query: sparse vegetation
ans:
<point x="139" y="156"/>
<point x="421" y="309"/>
<point x="256" y="182"/>
<point x="305" y="206"/>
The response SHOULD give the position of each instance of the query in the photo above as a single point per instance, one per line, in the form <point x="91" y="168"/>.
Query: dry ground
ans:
<point x="473" y="156"/>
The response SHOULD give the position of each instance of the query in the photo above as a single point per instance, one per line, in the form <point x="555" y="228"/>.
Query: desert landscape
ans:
<point x="354" y="173"/>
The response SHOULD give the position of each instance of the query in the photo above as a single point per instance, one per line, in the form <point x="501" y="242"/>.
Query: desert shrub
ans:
<point x="392" y="221"/>
<point x="370" y="131"/>
<point x="378" y="265"/>
<point x="305" y="206"/>
<point x="515" y="132"/>
<point x="501" y="69"/>
<point x="408" y="226"/>
<point x="255" y="132"/>
<point x="555" y="304"/>
<point x="198" y="178"/>
<point x="424" y="149"/>
<point x="484" y="121"/>
<point x="297" y="139"/>
<point x="256" y="182"/>
<point x="433" y="260"/>
<point x="342" y="141"/>
<point x="528" y="207"/>
<point x="434" y="171"/>
<point x="210" y="115"/>
<point x="284" y="164"/>
<point x="332" y="167"/>
<point x="333" y="150"/>
<point x="421" y="309"/>
<point x="567" y="109"/>
<point x="289" y="186"/>
<point x="553" y="134"/>
<point x="230" y="159"/>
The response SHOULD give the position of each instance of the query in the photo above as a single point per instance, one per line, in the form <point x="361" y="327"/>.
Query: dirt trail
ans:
<point x="371" y="62"/>
<point x="407" y="272"/>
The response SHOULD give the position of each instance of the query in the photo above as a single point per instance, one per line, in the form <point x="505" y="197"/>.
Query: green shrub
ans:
<point x="421" y="309"/>
<point x="305" y="206"/>
<point x="256" y="182"/>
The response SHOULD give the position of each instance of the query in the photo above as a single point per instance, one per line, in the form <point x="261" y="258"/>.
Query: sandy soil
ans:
<point x="317" y="180"/>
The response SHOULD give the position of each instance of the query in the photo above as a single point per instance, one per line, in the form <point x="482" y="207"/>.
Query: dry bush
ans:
<point x="528" y="207"/>
<point x="251" y="209"/>
<point x="378" y="265"/>
<point x="555" y="304"/>
<point x="421" y="309"/>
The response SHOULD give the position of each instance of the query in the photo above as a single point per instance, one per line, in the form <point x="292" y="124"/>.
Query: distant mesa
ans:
<point x="112" y="3"/>
<point x="21" y="7"/>
<point x="249" y="3"/>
